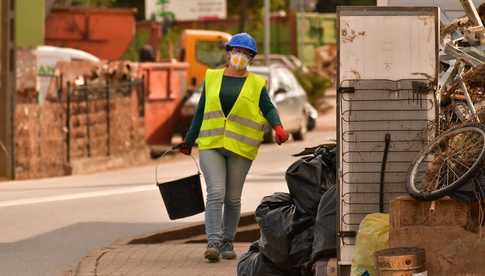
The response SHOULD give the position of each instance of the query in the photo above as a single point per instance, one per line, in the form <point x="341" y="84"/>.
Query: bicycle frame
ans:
<point x="471" y="32"/>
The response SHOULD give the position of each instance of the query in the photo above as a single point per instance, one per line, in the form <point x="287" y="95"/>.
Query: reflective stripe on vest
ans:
<point x="228" y="133"/>
<point x="246" y="122"/>
<point x="243" y="139"/>
<point x="213" y="115"/>
<point x="211" y="132"/>
<point x="243" y="130"/>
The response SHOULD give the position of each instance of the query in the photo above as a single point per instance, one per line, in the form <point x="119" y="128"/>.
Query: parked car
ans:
<point x="289" y="61"/>
<point x="296" y="114"/>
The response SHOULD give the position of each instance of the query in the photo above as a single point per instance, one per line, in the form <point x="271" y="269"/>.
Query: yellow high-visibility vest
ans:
<point x="242" y="130"/>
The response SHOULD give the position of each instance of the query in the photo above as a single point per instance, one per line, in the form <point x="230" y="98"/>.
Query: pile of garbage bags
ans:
<point x="298" y="228"/>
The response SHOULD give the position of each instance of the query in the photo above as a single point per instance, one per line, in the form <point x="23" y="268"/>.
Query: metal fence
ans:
<point x="89" y="114"/>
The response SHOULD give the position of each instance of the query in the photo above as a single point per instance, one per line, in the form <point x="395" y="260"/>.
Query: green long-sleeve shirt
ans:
<point x="230" y="89"/>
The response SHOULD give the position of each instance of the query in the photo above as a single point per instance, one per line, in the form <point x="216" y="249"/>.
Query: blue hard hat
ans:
<point x="242" y="40"/>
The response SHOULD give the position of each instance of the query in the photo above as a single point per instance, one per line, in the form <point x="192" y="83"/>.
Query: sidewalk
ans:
<point x="178" y="251"/>
<point x="156" y="259"/>
<point x="163" y="254"/>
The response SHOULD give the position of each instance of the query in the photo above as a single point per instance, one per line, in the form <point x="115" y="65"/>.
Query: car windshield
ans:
<point x="210" y="53"/>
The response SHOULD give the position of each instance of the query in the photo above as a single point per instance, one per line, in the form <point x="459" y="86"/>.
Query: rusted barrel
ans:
<point x="401" y="261"/>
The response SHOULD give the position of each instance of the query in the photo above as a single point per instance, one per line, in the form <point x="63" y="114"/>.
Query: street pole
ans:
<point x="7" y="90"/>
<point x="266" y="31"/>
<point x="242" y="15"/>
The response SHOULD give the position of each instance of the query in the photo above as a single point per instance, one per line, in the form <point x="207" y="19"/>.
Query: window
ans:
<point x="210" y="53"/>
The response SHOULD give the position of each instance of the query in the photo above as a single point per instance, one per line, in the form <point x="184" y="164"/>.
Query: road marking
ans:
<point x="120" y="191"/>
<point x="28" y="201"/>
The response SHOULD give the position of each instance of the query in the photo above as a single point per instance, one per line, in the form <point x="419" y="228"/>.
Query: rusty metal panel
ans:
<point x="105" y="33"/>
<point x="388" y="67"/>
<point x="374" y="51"/>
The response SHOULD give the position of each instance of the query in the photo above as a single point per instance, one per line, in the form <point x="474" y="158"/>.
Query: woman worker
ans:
<point x="233" y="109"/>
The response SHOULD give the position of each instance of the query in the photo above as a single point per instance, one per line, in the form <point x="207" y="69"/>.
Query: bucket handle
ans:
<point x="165" y="153"/>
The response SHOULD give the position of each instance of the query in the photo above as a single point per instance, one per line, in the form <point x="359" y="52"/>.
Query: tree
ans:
<point x="252" y="17"/>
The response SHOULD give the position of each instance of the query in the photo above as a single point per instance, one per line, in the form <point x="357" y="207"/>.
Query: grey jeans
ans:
<point x="224" y="173"/>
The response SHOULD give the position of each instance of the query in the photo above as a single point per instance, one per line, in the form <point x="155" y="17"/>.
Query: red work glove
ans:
<point x="183" y="148"/>
<point x="281" y="135"/>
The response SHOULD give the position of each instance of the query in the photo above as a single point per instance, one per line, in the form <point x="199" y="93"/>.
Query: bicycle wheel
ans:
<point x="447" y="163"/>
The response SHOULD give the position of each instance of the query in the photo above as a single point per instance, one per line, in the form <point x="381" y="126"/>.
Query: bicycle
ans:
<point x="457" y="153"/>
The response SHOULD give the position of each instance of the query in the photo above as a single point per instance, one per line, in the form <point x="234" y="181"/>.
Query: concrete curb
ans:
<point x="184" y="232"/>
<point x="87" y="265"/>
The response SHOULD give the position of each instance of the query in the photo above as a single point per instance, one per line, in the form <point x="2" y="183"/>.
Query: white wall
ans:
<point x="189" y="9"/>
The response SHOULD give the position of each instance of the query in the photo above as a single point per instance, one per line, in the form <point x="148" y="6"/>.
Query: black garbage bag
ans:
<point x="272" y="202"/>
<point x="275" y="227"/>
<point x="253" y="263"/>
<point x="280" y="228"/>
<point x="325" y="234"/>
<point x="309" y="177"/>
<point x="300" y="252"/>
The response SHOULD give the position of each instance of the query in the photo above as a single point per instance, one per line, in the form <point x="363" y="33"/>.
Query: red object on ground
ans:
<point x="105" y="33"/>
<point x="165" y="86"/>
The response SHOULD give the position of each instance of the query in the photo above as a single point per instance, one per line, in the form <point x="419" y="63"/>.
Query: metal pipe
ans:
<point x="468" y="99"/>
<point x="387" y="141"/>
<point x="68" y="122"/>
<point x="88" y="132"/>
<point x="108" y="117"/>
<point x="471" y="12"/>
<point x="267" y="33"/>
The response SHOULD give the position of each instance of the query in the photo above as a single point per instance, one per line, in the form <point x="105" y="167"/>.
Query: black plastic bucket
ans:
<point x="182" y="197"/>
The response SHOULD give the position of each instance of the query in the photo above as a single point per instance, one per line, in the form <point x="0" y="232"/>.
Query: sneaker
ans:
<point x="227" y="250"/>
<point x="212" y="252"/>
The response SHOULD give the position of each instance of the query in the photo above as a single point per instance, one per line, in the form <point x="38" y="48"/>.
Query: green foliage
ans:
<point x="255" y="15"/>
<point x="137" y="43"/>
<point x="141" y="38"/>
<point x="170" y="38"/>
<point x="314" y="84"/>
<point x="165" y="15"/>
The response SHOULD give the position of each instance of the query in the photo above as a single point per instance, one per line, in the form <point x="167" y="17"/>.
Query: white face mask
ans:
<point x="239" y="61"/>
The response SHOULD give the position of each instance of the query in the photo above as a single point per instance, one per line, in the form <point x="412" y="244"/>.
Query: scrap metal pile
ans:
<point x="451" y="164"/>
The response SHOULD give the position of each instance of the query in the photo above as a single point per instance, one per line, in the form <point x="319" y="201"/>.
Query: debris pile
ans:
<point x="453" y="158"/>
<point x="299" y="228"/>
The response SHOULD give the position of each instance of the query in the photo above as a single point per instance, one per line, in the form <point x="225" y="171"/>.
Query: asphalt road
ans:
<point x="48" y="225"/>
